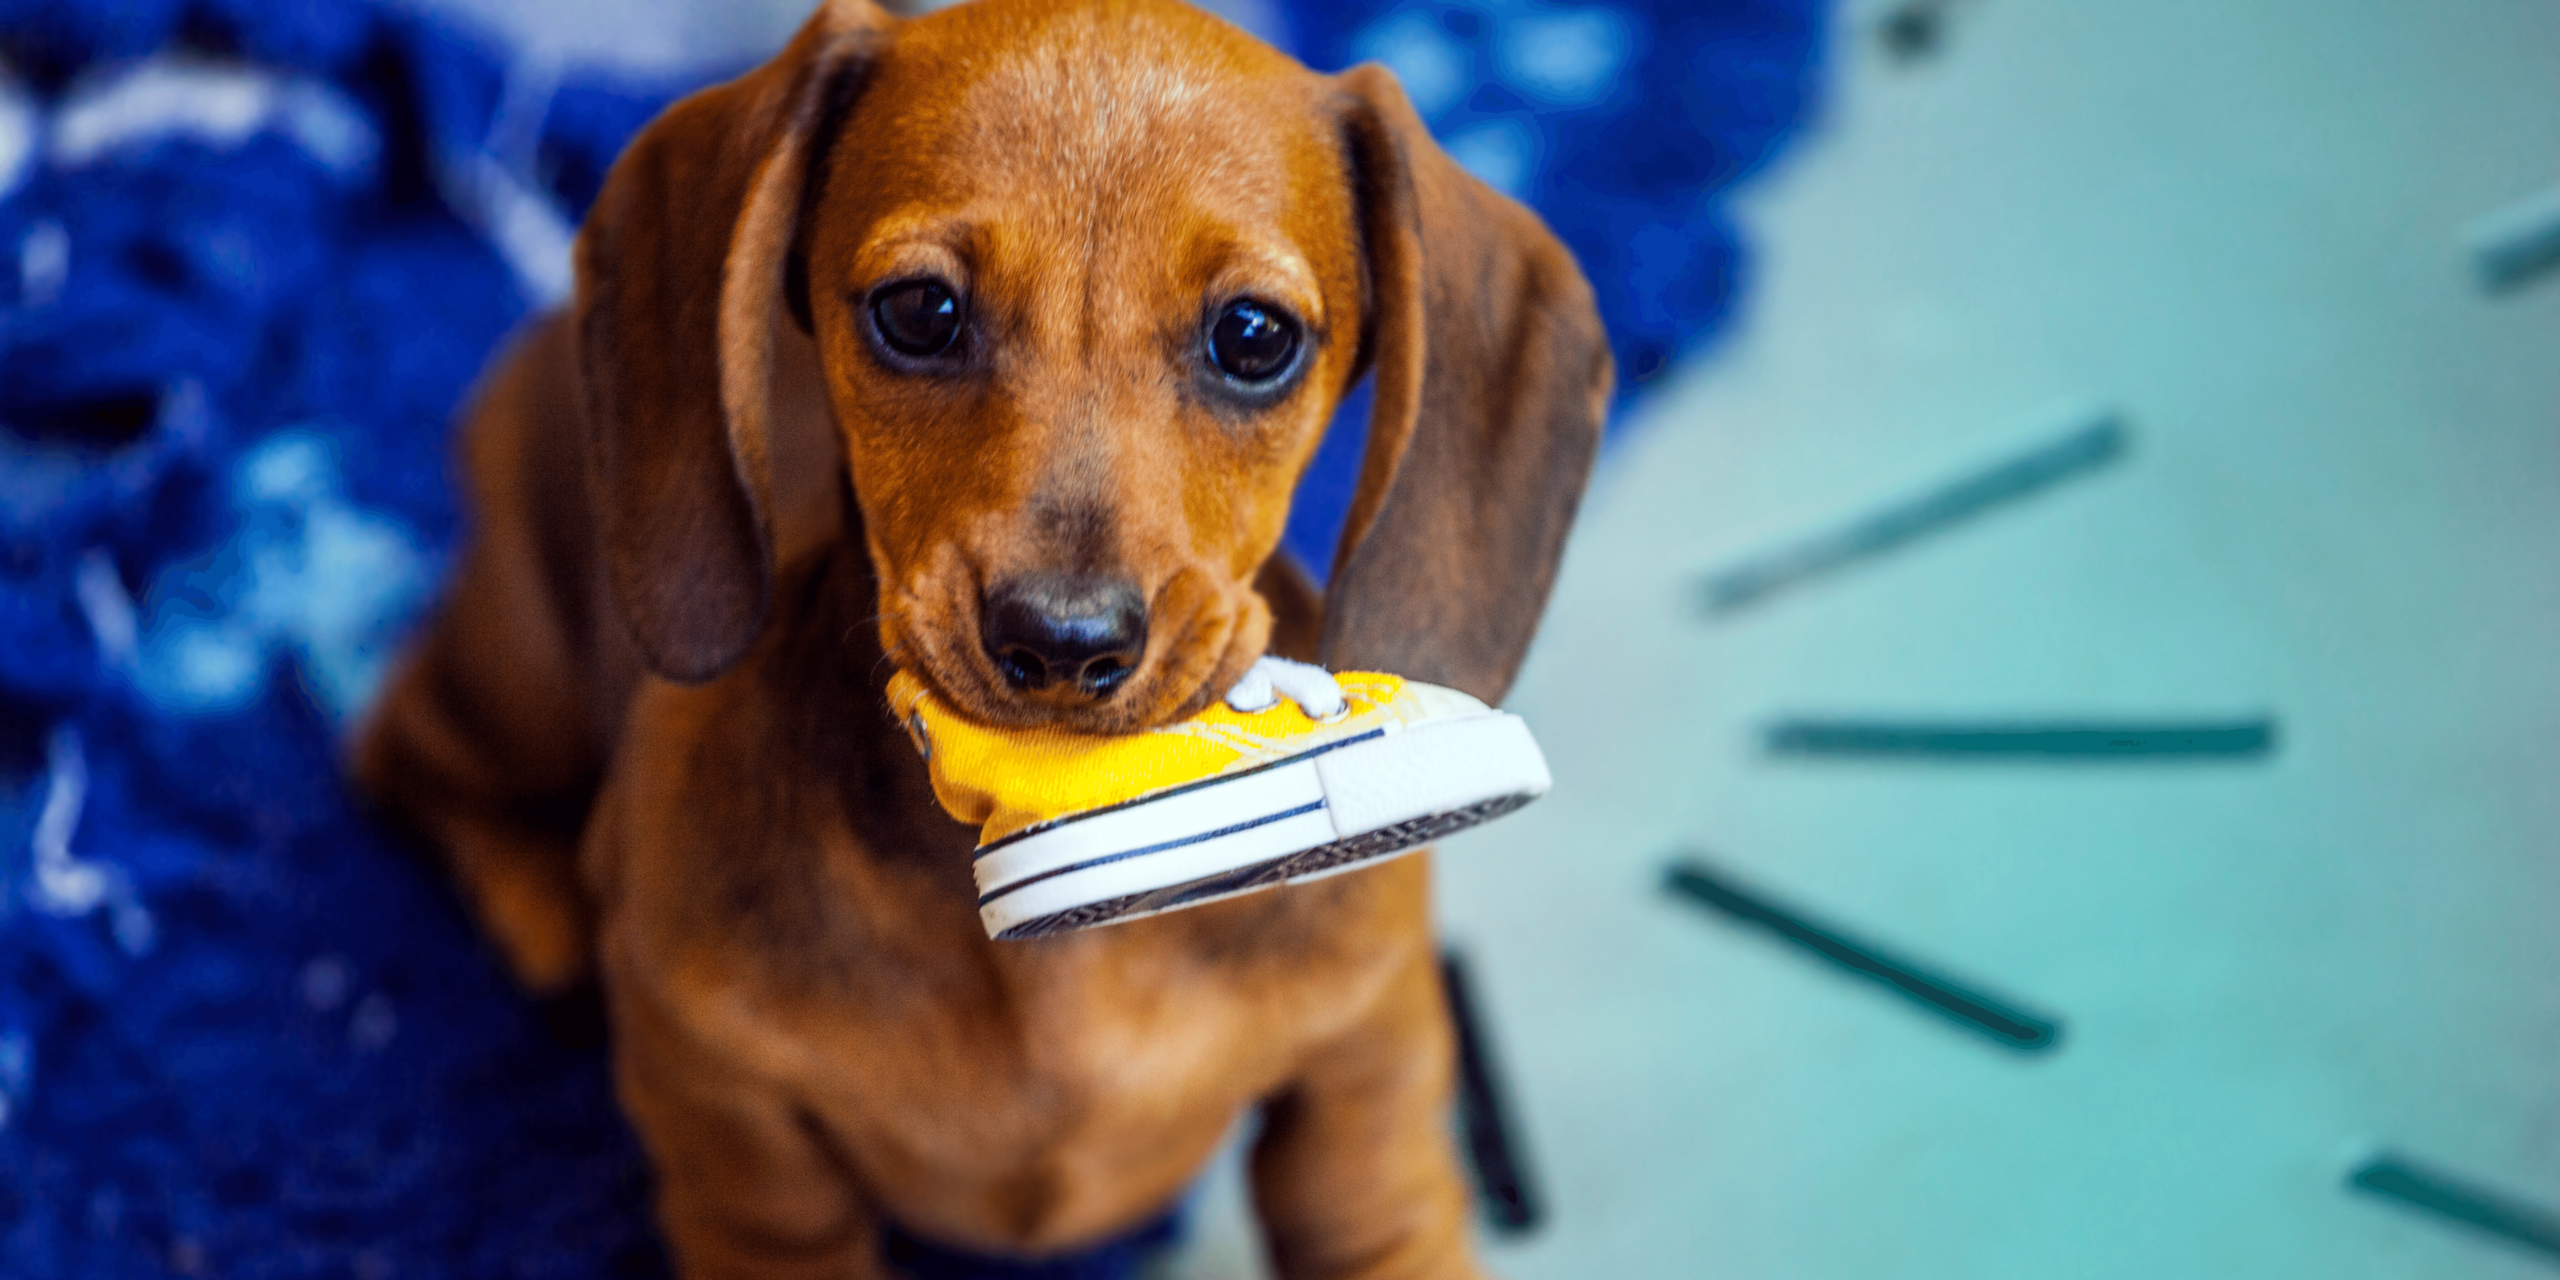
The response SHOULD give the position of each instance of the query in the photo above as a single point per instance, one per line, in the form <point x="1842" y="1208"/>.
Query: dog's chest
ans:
<point x="1134" y="1019"/>
<point x="1062" y="1086"/>
<point x="1117" y="1030"/>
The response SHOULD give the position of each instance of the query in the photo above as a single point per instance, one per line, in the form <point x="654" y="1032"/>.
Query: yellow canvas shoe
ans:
<point x="1297" y="774"/>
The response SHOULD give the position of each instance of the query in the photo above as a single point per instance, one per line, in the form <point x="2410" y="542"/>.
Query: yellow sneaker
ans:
<point x="1297" y="774"/>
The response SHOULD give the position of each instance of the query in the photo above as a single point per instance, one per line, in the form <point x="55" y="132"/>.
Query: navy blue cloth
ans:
<point x="243" y="1032"/>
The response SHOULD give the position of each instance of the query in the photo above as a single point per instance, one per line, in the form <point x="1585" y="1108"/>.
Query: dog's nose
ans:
<point x="1083" y="633"/>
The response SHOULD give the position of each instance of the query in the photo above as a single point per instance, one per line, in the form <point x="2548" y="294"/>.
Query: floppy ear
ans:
<point x="680" y="268"/>
<point x="1492" y="380"/>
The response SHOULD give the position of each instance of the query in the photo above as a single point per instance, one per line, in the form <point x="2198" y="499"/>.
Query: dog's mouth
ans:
<point x="1087" y="661"/>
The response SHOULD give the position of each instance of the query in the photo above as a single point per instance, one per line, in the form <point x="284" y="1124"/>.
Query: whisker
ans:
<point x="854" y="628"/>
<point x="889" y="653"/>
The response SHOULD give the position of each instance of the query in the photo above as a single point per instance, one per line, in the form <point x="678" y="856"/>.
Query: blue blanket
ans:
<point x="251" y="254"/>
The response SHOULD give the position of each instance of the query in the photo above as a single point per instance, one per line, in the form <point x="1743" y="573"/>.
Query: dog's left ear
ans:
<point x="1492" y="382"/>
<point x="680" y="269"/>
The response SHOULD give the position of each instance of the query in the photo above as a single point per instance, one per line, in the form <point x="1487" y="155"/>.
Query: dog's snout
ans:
<point x="1083" y="634"/>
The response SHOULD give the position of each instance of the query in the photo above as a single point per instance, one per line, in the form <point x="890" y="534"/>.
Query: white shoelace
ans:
<point x="1269" y="679"/>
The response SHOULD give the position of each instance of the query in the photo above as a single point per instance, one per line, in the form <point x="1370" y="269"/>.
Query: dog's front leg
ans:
<point x="1355" y="1175"/>
<point x="748" y="1188"/>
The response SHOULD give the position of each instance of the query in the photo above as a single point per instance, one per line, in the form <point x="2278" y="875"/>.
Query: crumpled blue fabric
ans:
<point x="244" y="1031"/>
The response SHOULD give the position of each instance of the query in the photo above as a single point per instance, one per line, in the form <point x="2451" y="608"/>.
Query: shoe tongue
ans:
<point x="1438" y="701"/>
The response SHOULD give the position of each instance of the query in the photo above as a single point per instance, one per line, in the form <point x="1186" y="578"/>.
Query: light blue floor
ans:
<point x="2241" y="225"/>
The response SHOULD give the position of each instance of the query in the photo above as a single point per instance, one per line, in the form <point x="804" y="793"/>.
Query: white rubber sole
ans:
<point x="1330" y="810"/>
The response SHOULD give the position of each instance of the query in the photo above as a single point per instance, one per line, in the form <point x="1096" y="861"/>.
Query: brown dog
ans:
<point x="990" y="345"/>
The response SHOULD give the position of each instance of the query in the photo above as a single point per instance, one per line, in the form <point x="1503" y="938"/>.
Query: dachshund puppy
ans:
<point x="991" y="346"/>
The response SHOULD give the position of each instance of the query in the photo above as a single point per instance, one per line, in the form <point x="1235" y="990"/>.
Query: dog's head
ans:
<point x="1087" y="281"/>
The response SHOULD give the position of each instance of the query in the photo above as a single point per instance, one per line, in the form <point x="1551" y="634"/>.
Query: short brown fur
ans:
<point x="647" y="729"/>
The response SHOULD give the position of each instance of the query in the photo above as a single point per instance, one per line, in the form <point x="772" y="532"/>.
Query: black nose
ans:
<point x="1084" y="633"/>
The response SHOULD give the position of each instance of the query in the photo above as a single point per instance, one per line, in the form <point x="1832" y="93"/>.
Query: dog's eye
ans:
<point x="1252" y="342"/>
<point x="917" y="317"/>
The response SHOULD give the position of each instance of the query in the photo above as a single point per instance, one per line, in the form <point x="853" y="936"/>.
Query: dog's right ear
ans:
<point x="680" y="270"/>
<point x="1492" y="380"/>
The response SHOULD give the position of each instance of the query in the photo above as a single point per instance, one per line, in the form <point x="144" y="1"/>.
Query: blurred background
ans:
<point x="2067" y="588"/>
